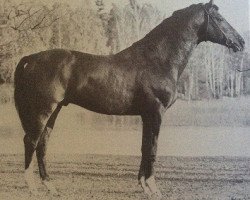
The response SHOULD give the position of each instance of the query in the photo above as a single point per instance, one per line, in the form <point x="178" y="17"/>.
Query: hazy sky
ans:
<point x="235" y="11"/>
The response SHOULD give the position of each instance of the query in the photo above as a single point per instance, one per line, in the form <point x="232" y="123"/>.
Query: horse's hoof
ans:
<point x="156" y="196"/>
<point x="145" y="188"/>
<point x="147" y="191"/>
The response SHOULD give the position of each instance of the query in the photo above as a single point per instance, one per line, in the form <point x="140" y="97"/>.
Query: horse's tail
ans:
<point x="18" y="77"/>
<point x="20" y="91"/>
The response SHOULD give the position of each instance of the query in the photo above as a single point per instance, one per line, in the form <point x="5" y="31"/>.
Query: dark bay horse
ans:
<point x="140" y="80"/>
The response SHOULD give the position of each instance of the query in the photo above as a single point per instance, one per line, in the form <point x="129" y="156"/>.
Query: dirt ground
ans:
<point x="115" y="177"/>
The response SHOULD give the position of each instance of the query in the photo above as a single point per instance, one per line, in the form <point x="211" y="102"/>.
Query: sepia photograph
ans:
<point x="125" y="100"/>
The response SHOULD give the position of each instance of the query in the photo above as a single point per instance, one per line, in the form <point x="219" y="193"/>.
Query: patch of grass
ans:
<point x="223" y="112"/>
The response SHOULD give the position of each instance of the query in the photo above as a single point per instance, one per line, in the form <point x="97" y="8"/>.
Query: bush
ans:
<point x="6" y="93"/>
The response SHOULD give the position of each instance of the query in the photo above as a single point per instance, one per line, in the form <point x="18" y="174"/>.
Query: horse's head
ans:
<point x="216" y="29"/>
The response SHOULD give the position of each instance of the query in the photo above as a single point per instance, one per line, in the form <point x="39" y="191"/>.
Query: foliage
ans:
<point x="27" y="27"/>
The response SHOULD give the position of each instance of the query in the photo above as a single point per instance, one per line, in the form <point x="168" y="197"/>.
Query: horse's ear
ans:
<point x="211" y="5"/>
<point x="211" y="2"/>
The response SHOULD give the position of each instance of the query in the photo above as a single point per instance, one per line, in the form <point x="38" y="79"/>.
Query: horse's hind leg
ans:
<point x="33" y="131"/>
<point x="35" y="119"/>
<point x="29" y="151"/>
<point x="42" y="149"/>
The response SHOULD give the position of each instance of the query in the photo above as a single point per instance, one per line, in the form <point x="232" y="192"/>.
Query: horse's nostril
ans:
<point x="242" y="41"/>
<point x="229" y="42"/>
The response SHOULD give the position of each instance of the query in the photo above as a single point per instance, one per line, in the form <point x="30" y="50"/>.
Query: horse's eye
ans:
<point x="216" y="7"/>
<point x="219" y="19"/>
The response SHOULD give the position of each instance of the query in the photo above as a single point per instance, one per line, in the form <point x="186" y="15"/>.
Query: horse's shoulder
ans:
<point x="159" y="87"/>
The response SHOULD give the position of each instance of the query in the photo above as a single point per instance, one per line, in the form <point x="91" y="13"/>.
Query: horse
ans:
<point x="139" y="80"/>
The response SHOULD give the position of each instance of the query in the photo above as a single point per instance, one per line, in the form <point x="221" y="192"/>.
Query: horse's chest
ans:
<point x="165" y="92"/>
<point x="167" y="98"/>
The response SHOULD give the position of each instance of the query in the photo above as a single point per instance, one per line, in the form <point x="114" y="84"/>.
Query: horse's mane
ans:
<point x="171" y="25"/>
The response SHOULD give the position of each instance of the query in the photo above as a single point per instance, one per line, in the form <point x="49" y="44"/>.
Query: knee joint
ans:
<point x="29" y="142"/>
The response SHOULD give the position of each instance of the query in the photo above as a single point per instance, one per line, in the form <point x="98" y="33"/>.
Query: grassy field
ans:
<point x="202" y="128"/>
<point x="232" y="112"/>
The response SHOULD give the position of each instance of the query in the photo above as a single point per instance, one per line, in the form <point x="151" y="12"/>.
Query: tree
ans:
<point x="20" y="29"/>
<point x="129" y="24"/>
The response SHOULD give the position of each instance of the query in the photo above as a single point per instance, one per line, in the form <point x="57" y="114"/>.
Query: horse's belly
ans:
<point x="105" y="103"/>
<point x="111" y="99"/>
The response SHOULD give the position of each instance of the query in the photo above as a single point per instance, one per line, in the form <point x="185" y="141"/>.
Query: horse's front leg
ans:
<point x="151" y="128"/>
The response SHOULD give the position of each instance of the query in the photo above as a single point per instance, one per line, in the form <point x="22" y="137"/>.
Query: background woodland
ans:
<point x="29" y="27"/>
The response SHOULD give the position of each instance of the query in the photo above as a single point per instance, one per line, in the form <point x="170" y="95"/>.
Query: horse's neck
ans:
<point x="176" y="47"/>
<point x="182" y="52"/>
<point x="169" y="46"/>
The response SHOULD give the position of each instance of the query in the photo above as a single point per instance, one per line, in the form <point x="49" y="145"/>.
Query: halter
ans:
<point x="209" y="16"/>
<point x="228" y="40"/>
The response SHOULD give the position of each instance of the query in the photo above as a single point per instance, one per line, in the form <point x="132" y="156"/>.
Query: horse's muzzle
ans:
<point x="236" y="46"/>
